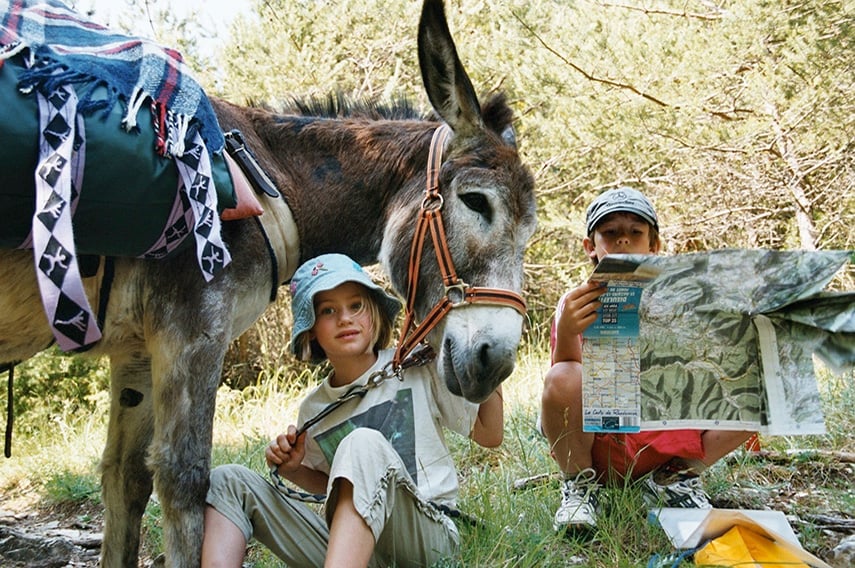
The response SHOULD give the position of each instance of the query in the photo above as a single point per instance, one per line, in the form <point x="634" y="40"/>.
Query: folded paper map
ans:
<point x="725" y="339"/>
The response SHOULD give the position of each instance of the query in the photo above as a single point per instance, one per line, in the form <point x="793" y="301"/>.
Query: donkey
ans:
<point x="350" y="184"/>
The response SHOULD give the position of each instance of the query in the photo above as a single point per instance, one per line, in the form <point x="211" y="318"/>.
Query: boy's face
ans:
<point x="620" y="233"/>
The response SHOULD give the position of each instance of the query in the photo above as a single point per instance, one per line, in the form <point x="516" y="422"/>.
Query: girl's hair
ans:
<point x="382" y="327"/>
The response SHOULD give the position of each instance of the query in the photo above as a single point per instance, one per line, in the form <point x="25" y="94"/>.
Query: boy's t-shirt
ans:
<point x="411" y="413"/>
<point x="637" y="454"/>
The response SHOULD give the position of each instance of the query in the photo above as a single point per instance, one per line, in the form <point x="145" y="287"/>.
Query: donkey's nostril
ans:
<point x="484" y="354"/>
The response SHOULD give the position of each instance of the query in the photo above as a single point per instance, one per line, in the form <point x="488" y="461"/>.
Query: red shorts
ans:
<point x="616" y="455"/>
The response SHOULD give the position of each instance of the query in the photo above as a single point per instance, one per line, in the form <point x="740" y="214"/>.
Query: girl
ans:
<point x="381" y="458"/>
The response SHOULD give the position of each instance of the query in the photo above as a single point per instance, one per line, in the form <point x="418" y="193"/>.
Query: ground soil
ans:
<point x="35" y="535"/>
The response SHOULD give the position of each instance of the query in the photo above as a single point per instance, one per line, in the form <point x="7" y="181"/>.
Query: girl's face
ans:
<point x="343" y="325"/>
<point x="620" y="233"/>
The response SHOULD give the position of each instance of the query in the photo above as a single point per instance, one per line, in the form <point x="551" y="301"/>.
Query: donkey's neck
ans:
<point x="341" y="178"/>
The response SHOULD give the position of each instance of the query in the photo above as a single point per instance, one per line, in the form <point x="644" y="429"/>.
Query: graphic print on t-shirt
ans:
<point x="392" y="418"/>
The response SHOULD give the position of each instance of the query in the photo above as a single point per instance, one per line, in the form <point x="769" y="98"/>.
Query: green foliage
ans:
<point x="66" y="487"/>
<point x="736" y="118"/>
<point x="516" y="526"/>
<point x="152" y="531"/>
<point x="52" y="384"/>
<point x="297" y="49"/>
<point x="838" y="406"/>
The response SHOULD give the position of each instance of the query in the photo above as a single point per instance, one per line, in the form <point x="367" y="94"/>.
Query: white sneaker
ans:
<point x="578" y="502"/>
<point x="685" y="493"/>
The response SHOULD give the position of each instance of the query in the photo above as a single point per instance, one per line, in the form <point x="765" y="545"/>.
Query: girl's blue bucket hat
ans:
<point x="324" y="273"/>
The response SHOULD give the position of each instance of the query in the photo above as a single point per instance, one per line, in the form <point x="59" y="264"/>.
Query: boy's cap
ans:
<point x="323" y="273"/>
<point x="623" y="199"/>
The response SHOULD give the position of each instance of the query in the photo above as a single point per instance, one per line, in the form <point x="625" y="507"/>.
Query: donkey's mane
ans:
<point x="341" y="105"/>
<point x="496" y="112"/>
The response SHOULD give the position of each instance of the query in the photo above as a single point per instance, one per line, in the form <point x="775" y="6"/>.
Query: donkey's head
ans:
<point x="488" y="211"/>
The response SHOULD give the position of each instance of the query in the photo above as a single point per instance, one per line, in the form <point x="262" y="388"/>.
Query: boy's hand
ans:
<point x="286" y="452"/>
<point x="580" y="309"/>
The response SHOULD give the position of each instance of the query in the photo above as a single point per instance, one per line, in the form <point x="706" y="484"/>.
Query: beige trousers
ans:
<point x="408" y="531"/>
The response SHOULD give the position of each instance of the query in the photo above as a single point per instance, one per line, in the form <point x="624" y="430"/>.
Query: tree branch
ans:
<point x="783" y="150"/>
<point x="787" y="456"/>
<point x="653" y="11"/>
<point x="587" y="75"/>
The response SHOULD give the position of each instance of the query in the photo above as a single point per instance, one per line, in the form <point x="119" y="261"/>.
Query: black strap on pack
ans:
<point x="10" y="408"/>
<point x="236" y="147"/>
<point x="94" y="263"/>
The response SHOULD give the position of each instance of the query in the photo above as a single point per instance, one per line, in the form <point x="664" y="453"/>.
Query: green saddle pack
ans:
<point x="128" y="189"/>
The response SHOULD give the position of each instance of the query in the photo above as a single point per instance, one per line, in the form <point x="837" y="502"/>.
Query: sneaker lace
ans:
<point x="685" y="492"/>
<point x="695" y="490"/>
<point x="576" y="488"/>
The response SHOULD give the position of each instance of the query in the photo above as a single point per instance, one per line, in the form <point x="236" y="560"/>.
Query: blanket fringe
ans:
<point x="66" y="49"/>
<point x="47" y="77"/>
<point x="182" y="127"/>
<point x="135" y="103"/>
<point x="11" y="50"/>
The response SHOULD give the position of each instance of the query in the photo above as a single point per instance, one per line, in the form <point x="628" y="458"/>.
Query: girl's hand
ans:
<point x="286" y="452"/>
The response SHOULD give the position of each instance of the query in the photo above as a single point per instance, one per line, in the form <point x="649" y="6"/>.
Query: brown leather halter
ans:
<point x="457" y="292"/>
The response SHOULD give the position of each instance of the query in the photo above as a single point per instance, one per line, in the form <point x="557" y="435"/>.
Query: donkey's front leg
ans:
<point x="186" y="375"/>
<point x="125" y="481"/>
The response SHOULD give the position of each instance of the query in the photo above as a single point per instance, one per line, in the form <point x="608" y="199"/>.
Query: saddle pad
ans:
<point x="128" y="189"/>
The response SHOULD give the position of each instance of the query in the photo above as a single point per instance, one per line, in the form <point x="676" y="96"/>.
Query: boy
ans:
<point x="618" y="221"/>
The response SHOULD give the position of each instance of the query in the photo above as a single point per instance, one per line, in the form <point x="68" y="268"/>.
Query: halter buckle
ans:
<point x="433" y="202"/>
<point x="456" y="293"/>
<point x="388" y="371"/>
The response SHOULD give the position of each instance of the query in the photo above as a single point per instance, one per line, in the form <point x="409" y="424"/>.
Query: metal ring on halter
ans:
<point x="432" y="200"/>
<point x="458" y="290"/>
<point x="378" y="377"/>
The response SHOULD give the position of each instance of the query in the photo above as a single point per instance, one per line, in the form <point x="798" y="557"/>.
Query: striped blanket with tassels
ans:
<point x="68" y="49"/>
<point x="64" y="63"/>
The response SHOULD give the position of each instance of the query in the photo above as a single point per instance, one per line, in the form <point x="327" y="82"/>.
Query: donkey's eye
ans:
<point x="478" y="203"/>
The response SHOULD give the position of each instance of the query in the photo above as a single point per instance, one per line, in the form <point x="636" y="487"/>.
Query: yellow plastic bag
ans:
<point x="743" y="547"/>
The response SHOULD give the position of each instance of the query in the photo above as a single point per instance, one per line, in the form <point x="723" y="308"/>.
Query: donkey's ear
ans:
<point x="448" y="86"/>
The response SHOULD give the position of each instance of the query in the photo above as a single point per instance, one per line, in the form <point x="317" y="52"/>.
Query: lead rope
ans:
<point x="417" y="358"/>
